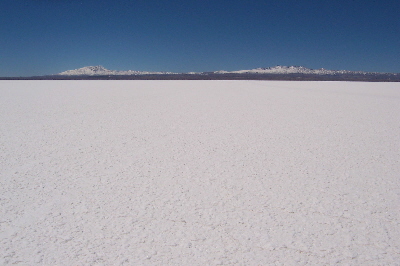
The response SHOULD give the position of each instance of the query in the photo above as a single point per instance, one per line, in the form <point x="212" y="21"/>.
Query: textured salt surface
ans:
<point x="199" y="173"/>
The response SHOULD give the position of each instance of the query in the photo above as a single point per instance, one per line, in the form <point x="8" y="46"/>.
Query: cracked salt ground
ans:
<point x="199" y="173"/>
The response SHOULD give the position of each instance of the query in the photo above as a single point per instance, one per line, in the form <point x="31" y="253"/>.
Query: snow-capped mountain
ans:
<point x="291" y="70"/>
<point x="279" y="71"/>
<point x="102" y="71"/>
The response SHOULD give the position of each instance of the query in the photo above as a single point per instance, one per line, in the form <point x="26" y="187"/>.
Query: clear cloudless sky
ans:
<point x="40" y="37"/>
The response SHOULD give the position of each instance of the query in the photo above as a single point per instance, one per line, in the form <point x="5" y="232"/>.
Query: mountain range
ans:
<point x="298" y="73"/>
<point x="101" y="71"/>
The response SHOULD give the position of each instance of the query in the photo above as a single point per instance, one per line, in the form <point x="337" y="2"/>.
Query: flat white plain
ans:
<point x="199" y="173"/>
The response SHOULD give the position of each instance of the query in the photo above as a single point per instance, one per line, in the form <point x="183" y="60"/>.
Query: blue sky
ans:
<point x="49" y="36"/>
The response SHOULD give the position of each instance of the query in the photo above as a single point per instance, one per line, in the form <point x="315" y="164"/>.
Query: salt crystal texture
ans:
<point x="199" y="173"/>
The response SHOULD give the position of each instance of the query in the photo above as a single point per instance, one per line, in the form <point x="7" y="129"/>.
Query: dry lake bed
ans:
<point x="199" y="173"/>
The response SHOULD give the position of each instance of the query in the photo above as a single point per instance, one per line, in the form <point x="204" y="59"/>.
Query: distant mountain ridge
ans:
<point x="290" y="73"/>
<point x="102" y="71"/>
<point x="293" y="70"/>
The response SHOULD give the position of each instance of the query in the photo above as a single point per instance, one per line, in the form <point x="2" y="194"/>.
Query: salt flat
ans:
<point x="199" y="173"/>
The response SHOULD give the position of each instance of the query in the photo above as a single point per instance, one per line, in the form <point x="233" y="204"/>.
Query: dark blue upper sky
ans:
<point x="49" y="36"/>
